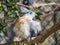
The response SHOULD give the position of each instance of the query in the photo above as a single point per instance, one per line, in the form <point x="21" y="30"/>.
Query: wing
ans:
<point x="36" y="27"/>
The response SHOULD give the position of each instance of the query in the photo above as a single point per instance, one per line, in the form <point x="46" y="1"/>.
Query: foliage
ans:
<point x="1" y="8"/>
<point x="38" y="12"/>
<point x="11" y="13"/>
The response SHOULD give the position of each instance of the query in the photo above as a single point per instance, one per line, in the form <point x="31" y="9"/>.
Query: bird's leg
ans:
<point x="29" y="39"/>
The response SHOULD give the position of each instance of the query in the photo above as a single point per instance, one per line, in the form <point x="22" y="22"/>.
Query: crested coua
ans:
<point x="26" y="27"/>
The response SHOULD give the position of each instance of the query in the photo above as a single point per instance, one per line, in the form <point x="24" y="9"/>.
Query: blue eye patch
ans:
<point x="29" y="12"/>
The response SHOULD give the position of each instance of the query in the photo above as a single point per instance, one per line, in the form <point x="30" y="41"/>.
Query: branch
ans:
<point x="41" y="38"/>
<point x="37" y="5"/>
<point x="24" y="6"/>
<point x="44" y="4"/>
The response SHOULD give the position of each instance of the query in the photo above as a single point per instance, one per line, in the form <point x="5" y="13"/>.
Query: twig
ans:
<point x="24" y="6"/>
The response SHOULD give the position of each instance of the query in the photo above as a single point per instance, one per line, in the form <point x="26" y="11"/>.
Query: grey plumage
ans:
<point x="36" y="27"/>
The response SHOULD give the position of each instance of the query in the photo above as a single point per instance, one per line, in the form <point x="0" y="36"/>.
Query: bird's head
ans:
<point x="27" y="12"/>
<point x="31" y="14"/>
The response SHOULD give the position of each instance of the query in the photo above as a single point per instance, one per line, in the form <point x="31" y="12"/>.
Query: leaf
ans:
<point x="38" y="15"/>
<point x="1" y="8"/>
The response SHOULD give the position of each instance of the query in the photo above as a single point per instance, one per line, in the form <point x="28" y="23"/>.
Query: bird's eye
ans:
<point x="30" y="12"/>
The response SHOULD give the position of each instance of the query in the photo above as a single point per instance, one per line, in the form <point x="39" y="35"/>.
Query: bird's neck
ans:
<point x="30" y="16"/>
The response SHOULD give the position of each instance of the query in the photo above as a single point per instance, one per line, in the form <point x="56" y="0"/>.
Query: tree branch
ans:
<point x="44" y="4"/>
<point x="24" y="6"/>
<point x="37" y="5"/>
<point x="41" y="38"/>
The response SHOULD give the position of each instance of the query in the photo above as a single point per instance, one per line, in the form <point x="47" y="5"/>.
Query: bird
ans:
<point x="26" y="27"/>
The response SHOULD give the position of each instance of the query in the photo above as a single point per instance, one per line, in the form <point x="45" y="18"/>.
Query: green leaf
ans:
<point x="38" y="15"/>
<point x="1" y="8"/>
